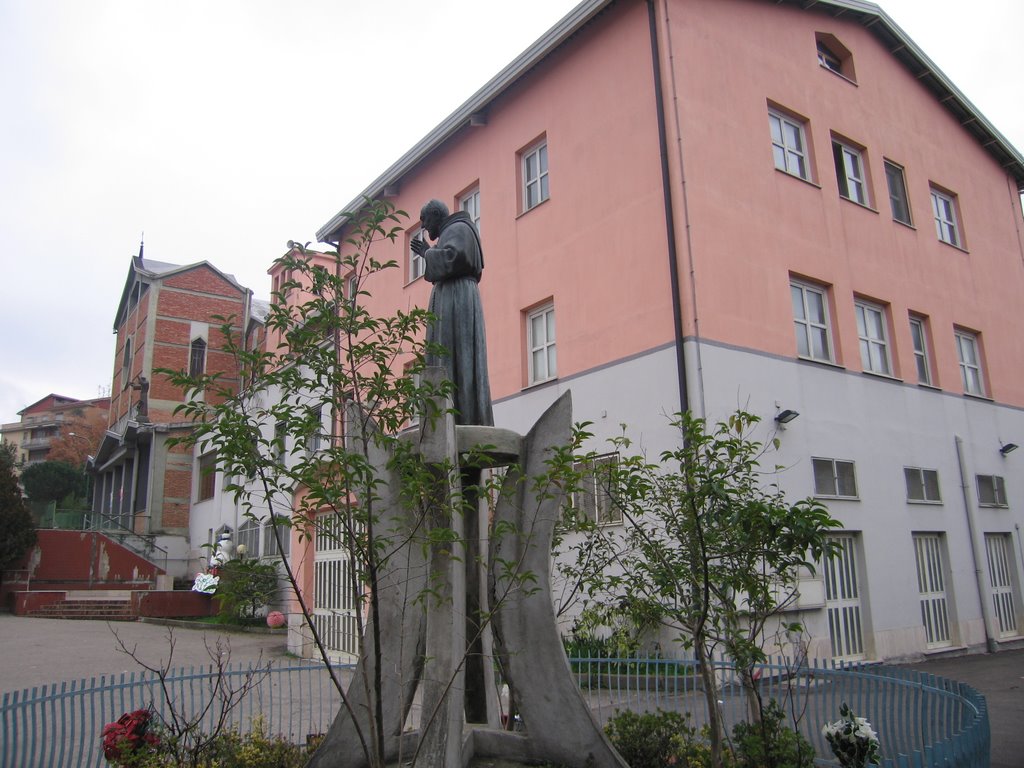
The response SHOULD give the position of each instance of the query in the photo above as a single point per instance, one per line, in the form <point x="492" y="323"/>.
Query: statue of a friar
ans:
<point x="454" y="264"/>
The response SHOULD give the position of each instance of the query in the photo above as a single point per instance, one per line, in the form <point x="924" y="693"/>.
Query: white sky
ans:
<point x="225" y="128"/>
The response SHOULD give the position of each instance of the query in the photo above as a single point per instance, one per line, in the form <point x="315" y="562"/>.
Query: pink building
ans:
<point x="712" y="204"/>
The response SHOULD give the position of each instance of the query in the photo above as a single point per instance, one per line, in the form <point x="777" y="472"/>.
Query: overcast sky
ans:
<point x="225" y="128"/>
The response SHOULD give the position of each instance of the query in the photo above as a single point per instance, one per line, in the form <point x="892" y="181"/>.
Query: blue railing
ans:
<point x="922" y="720"/>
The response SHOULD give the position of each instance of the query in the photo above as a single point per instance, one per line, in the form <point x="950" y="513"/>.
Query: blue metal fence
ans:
<point x="922" y="720"/>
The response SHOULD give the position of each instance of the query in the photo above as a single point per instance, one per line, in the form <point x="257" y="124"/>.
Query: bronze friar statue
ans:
<point x="454" y="265"/>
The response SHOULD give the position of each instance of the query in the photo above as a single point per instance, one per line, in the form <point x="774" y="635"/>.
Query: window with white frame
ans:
<point x="874" y="345"/>
<point x="596" y="499"/>
<point x="922" y="485"/>
<point x="280" y="448"/>
<point x="969" y="357"/>
<point x="352" y="288"/>
<point x="789" y="144"/>
<point x="811" y="321"/>
<point x="946" y="225"/>
<point x="834" y="56"/>
<point x="850" y="172"/>
<point x="899" y="201"/>
<point x="540" y="332"/>
<point x="470" y="203"/>
<point x="835" y="478"/>
<point x="828" y="59"/>
<point x="417" y="263"/>
<point x="991" y="491"/>
<point x="535" y="175"/>
<point x="314" y="439"/>
<point x="919" y="336"/>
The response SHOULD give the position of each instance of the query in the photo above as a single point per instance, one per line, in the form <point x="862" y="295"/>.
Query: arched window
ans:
<point x="197" y="358"/>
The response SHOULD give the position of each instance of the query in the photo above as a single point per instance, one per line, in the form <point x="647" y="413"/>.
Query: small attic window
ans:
<point x="835" y="56"/>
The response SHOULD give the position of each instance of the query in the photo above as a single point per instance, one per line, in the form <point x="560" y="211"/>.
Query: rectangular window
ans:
<point x="842" y="600"/>
<point x="280" y="440"/>
<point x="968" y="354"/>
<point x="850" y="172"/>
<point x="931" y="586"/>
<point x="789" y="144"/>
<point x="540" y="331"/>
<point x="999" y="551"/>
<point x="919" y="335"/>
<point x="417" y="263"/>
<point x="810" y="320"/>
<point x="470" y="203"/>
<point x="207" y="476"/>
<point x="898" y="199"/>
<point x="535" y="176"/>
<point x="197" y="357"/>
<point x="834" y="478"/>
<point x="352" y="288"/>
<point x="991" y="491"/>
<point x="874" y="347"/>
<point x="314" y="439"/>
<point x="944" y="209"/>
<point x="922" y="485"/>
<point x="596" y="499"/>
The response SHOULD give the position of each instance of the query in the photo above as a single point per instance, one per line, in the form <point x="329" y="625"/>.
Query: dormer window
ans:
<point x="834" y="56"/>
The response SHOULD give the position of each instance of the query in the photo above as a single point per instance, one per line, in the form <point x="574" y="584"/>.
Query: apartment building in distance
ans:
<point x="779" y="206"/>
<point x="42" y="422"/>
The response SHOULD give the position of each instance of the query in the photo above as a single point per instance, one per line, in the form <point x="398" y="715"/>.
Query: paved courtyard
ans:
<point x="40" y="651"/>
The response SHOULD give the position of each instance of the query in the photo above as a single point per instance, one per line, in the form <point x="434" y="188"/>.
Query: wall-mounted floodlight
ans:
<point x="786" y="416"/>
<point x="1008" y="448"/>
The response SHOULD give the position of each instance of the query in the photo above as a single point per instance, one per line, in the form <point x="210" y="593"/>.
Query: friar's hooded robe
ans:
<point x="454" y="266"/>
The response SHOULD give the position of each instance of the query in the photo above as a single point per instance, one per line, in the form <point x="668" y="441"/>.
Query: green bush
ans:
<point x="770" y="743"/>
<point x="655" y="740"/>
<point x="245" y="587"/>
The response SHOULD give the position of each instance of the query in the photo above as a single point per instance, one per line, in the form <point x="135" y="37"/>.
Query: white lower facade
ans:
<point x="938" y="573"/>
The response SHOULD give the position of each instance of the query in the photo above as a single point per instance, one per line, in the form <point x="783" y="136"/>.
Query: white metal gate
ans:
<point x="931" y="584"/>
<point x="842" y="601"/>
<point x="1001" y="580"/>
<point x="334" y="608"/>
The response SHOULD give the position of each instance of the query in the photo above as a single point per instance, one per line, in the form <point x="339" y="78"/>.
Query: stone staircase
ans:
<point x="102" y="605"/>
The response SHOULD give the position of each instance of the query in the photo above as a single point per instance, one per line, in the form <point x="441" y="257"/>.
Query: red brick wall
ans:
<point x="205" y="280"/>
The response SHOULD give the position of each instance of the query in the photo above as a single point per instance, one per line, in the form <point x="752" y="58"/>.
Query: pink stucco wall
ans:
<point x="752" y="225"/>
<point x="590" y="246"/>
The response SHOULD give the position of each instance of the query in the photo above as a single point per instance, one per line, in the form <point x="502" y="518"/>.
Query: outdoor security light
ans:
<point x="1008" y="448"/>
<point x="786" y="416"/>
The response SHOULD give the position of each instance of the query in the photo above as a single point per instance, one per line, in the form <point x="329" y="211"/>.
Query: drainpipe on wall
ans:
<point x="670" y="227"/>
<point x="972" y="531"/>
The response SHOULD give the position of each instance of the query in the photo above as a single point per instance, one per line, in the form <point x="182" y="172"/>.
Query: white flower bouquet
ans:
<point x="852" y="739"/>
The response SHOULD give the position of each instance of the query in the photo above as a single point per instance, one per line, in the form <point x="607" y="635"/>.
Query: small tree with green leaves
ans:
<point x="707" y="547"/>
<point x="50" y="481"/>
<point x="17" y="531"/>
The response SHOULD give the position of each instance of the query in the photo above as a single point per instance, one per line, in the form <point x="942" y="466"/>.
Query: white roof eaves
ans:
<point x="554" y="37"/>
<point x="871" y="14"/>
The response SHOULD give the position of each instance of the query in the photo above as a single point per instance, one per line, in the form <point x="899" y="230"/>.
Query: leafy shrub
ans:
<point x="655" y="740"/>
<point x="770" y="743"/>
<point x="245" y="587"/>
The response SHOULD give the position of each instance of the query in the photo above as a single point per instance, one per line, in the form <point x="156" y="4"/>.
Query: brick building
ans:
<point x="164" y="320"/>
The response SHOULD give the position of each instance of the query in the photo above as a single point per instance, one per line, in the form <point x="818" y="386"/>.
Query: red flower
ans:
<point x="127" y="734"/>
